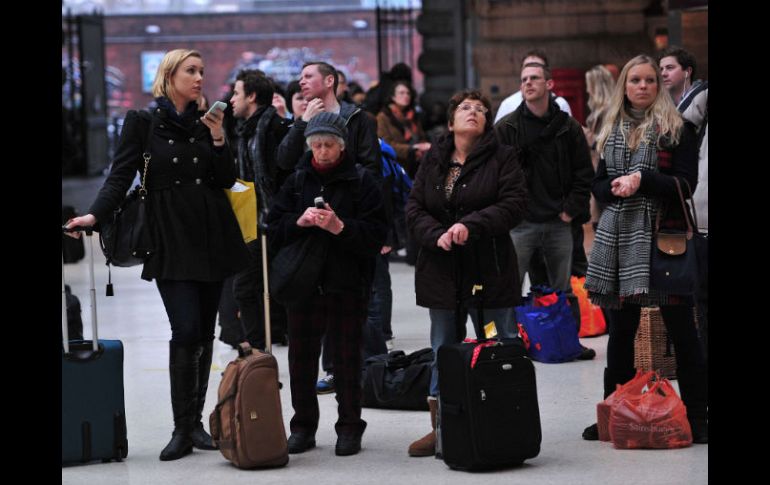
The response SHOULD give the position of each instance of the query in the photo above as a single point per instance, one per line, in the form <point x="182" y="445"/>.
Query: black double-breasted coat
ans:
<point x="195" y="231"/>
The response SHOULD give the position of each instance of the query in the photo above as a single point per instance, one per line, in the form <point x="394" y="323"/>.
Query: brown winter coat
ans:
<point x="489" y="198"/>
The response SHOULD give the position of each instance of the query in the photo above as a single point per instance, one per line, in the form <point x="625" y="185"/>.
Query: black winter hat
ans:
<point x="326" y="123"/>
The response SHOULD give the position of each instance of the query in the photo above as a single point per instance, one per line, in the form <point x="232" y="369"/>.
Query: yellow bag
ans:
<point x="243" y="199"/>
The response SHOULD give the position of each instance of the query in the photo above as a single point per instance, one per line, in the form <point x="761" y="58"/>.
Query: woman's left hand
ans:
<point x="214" y="122"/>
<point x="626" y="185"/>
<point x="459" y="233"/>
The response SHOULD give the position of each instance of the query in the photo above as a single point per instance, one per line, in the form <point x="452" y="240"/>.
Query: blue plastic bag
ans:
<point x="550" y="332"/>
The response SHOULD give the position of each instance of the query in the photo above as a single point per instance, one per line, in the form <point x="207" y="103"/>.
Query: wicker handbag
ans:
<point x="653" y="348"/>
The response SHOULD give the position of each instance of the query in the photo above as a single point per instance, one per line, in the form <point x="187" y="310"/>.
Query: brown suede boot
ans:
<point x="426" y="446"/>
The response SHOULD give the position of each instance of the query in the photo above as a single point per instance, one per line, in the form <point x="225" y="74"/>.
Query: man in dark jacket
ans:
<point x="554" y="153"/>
<point x="259" y="131"/>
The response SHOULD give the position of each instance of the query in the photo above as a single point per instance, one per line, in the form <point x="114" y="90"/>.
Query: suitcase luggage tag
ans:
<point x="490" y="331"/>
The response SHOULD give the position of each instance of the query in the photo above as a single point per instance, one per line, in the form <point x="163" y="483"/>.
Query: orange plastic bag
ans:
<point x="592" y="322"/>
<point x="632" y="389"/>
<point x="658" y="419"/>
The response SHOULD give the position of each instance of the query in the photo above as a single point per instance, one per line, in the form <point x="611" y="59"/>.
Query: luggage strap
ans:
<point x="477" y="349"/>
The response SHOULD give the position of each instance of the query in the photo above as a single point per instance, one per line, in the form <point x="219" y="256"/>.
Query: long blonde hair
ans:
<point x="661" y="112"/>
<point x="162" y="86"/>
<point x="599" y="85"/>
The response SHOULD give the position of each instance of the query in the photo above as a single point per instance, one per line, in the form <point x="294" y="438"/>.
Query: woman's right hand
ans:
<point x="279" y="103"/>
<point x="445" y="241"/>
<point x="87" y="220"/>
<point x="307" y="219"/>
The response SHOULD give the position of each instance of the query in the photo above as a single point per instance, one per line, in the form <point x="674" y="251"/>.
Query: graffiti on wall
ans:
<point x="285" y="65"/>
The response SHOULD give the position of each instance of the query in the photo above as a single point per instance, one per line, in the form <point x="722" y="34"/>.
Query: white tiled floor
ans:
<point x="567" y="393"/>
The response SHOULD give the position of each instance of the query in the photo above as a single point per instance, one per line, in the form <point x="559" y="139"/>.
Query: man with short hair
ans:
<point x="318" y="83"/>
<point x="677" y="68"/>
<point x="554" y="154"/>
<point x="513" y="101"/>
<point x="259" y="131"/>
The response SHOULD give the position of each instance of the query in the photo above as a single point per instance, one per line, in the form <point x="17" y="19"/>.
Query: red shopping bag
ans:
<point x="632" y="389"/>
<point x="592" y="322"/>
<point x="658" y="419"/>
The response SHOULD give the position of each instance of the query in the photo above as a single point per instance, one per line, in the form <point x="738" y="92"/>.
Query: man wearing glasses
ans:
<point x="554" y="154"/>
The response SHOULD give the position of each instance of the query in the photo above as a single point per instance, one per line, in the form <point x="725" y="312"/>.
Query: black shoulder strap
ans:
<point x="299" y="181"/>
<point x="357" y="188"/>
<point x="147" y="116"/>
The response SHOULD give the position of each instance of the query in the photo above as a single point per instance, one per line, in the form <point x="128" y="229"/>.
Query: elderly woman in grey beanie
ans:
<point x="351" y="222"/>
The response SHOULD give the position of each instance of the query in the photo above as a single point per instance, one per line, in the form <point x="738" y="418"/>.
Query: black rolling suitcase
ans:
<point x="93" y="416"/>
<point x="488" y="411"/>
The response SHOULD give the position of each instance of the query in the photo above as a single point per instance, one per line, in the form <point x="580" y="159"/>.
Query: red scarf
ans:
<point x="327" y="168"/>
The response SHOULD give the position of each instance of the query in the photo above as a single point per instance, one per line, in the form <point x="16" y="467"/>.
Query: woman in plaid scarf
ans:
<point x="644" y="143"/>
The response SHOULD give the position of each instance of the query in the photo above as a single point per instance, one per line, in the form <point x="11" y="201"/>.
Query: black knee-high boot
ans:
<point x="693" y="384"/>
<point x="183" y="371"/>
<point x="614" y="377"/>
<point x="611" y="379"/>
<point x="200" y="438"/>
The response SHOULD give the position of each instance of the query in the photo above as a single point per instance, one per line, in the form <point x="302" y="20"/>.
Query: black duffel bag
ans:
<point x="397" y="380"/>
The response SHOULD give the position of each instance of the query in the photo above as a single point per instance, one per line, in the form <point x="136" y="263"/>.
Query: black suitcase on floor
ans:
<point x="489" y="416"/>
<point x="93" y="413"/>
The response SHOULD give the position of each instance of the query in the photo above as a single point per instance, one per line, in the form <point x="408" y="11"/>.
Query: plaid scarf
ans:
<point x="619" y="266"/>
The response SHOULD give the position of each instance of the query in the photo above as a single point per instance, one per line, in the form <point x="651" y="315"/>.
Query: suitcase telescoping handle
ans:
<point x="266" y="298"/>
<point x="65" y="331"/>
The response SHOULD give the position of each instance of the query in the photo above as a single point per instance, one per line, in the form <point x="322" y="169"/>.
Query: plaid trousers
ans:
<point x="342" y="316"/>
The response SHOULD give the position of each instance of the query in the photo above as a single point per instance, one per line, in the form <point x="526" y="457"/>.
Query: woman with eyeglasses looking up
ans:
<point x="468" y="194"/>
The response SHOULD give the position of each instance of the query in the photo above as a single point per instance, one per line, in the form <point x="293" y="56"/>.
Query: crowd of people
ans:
<point x="495" y="195"/>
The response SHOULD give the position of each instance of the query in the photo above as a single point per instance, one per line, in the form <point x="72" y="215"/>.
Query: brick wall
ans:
<point x="223" y="38"/>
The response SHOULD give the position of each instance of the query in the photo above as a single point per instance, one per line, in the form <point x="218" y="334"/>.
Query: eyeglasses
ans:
<point x="476" y="107"/>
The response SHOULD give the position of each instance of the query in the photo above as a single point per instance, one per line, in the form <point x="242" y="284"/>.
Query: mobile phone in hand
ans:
<point x="319" y="202"/>
<point x="218" y="106"/>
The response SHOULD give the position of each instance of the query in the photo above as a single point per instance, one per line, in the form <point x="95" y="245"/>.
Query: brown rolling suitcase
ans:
<point x="247" y="422"/>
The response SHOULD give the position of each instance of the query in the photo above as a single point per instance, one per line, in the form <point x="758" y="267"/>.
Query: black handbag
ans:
<point x="126" y="238"/>
<point x="674" y="255"/>
<point x="296" y="268"/>
<point x="397" y="380"/>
